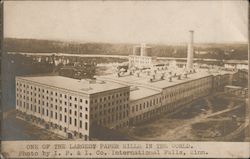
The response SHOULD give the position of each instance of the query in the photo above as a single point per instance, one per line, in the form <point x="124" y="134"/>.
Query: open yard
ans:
<point x="207" y="119"/>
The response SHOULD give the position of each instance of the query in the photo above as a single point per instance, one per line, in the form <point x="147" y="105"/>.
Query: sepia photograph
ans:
<point x="92" y="71"/>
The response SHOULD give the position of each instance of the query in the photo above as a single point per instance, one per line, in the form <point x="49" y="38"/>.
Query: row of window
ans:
<point x="107" y="106"/>
<point x="56" y="107"/>
<point x="39" y="95"/>
<point x="55" y="116"/>
<point x="34" y="108"/>
<point x="103" y="99"/>
<point x="145" y="104"/>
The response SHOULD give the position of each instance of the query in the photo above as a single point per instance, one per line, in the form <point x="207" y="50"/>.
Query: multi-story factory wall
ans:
<point x="145" y="108"/>
<point x="220" y="80"/>
<point x="187" y="91"/>
<point x="169" y="99"/>
<point x="140" y="61"/>
<point x="65" y="112"/>
<point x="110" y="109"/>
<point x="71" y="113"/>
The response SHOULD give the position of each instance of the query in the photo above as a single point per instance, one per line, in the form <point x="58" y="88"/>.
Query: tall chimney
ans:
<point x="190" y="51"/>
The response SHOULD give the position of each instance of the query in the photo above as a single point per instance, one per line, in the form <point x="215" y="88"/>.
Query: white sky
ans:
<point x="133" y="22"/>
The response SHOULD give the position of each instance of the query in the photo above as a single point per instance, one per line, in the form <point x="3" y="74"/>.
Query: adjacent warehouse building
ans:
<point x="152" y="96"/>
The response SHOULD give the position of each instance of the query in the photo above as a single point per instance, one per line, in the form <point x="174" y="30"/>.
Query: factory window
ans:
<point x="65" y="103"/>
<point x="56" y="93"/>
<point x="70" y="97"/>
<point x="47" y="112"/>
<point x="81" y="107"/>
<point x="70" y="120"/>
<point x="51" y="93"/>
<point x="43" y="111"/>
<point x="51" y="114"/>
<point x="86" y="116"/>
<point x="133" y="108"/>
<point x="136" y="108"/>
<point x="75" y="122"/>
<point x="65" y="118"/>
<point x="86" y="109"/>
<point x="75" y="99"/>
<point x="86" y="126"/>
<point x="60" y="95"/>
<point x="75" y="106"/>
<point x="38" y="109"/>
<point x="86" y="102"/>
<point x="70" y="111"/>
<point x="75" y="113"/>
<point x="65" y="110"/>
<point x="100" y="99"/>
<point x="47" y="92"/>
<point x="81" y="100"/>
<point x="80" y="114"/>
<point x="70" y="104"/>
<point x="56" y="100"/>
<point x="65" y="96"/>
<point x="56" y="115"/>
<point x="80" y="124"/>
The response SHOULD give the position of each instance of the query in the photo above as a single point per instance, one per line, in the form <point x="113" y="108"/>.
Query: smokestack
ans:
<point x="179" y="77"/>
<point x="170" y="79"/>
<point x="190" y="51"/>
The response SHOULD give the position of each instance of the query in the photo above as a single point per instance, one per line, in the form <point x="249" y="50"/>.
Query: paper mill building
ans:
<point x="70" y="107"/>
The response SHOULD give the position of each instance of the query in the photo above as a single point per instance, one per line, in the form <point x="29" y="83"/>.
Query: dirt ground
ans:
<point x="192" y="124"/>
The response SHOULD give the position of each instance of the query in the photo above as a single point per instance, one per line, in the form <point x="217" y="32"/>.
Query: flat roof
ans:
<point x="82" y="86"/>
<point x="144" y="79"/>
<point x="141" y="93"/>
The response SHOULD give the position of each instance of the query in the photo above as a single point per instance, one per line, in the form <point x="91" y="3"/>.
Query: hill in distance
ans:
<point x="227" y="51"/>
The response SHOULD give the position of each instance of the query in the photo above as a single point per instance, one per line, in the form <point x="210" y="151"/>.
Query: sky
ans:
<point x="128" y="21"/>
